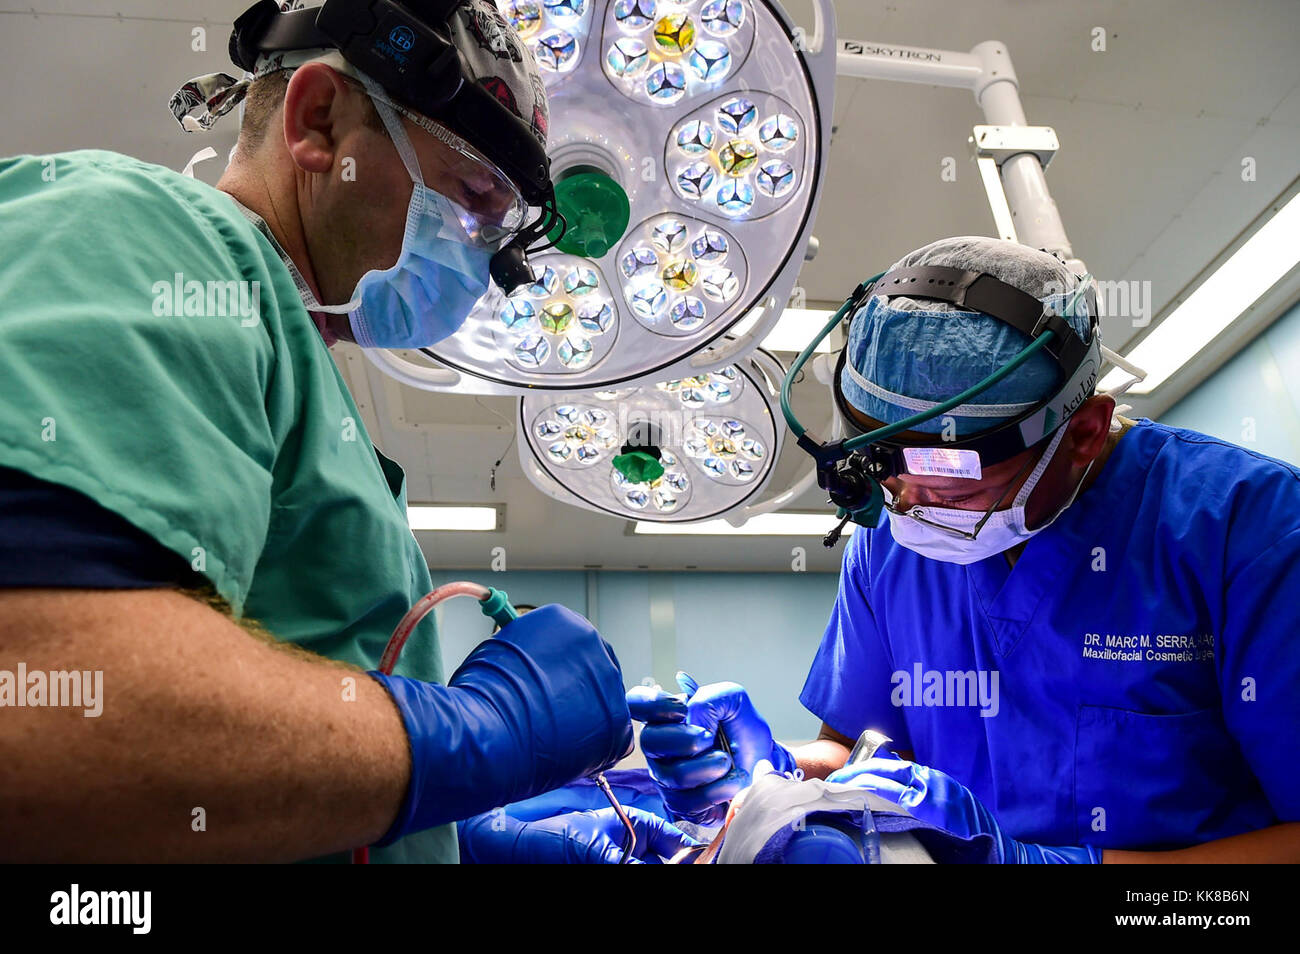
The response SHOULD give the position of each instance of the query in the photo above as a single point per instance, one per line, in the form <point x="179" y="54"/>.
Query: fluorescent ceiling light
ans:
<point x="764" y="525"/>
<point x="796" y="328"/>
<point x="437" y="517"/>
<point x="1233" y="287"/>
<point x="793" y="330"/>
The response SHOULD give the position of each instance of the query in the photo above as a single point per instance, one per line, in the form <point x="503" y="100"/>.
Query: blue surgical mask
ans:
<point x="427" y="295"/>
<point x="439" y="276"/>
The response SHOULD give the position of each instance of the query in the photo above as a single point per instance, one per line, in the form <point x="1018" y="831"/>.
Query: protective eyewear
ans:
<point x="491" y="208"/>
<point x="920" y="515"/>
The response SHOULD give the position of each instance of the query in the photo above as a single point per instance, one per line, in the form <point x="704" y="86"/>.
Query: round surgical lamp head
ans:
<point x="678" y="451"/>
<point x="688" y="142"/>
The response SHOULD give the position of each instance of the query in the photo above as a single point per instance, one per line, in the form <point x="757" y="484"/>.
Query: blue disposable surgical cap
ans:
<point x="911" y="353"/>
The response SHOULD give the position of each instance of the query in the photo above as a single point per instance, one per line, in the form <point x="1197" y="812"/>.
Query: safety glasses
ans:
<point x="978" y="518"/>
<point x="490" y="206"/>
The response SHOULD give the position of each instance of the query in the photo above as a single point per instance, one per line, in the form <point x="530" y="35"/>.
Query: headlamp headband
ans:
<point x="406" y="47"/>
<point x="980" y="291"/>
<point x="1079" y="361"/>
<point x="851" y="469"/>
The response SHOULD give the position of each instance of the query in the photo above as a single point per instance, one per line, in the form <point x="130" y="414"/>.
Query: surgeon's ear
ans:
<point x="315" y="108"/>
<point x="1089" y="428"/>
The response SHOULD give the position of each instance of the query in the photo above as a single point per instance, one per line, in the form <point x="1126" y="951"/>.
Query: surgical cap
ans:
<point x="913" y="352"/>
<point x="494" y="56"/>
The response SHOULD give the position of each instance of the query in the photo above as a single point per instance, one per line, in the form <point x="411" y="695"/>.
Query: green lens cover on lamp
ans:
<point x="639" y="467"/>
<point x="596" y="209"/>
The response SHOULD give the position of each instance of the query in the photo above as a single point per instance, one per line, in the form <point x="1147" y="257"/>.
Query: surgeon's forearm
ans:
<point x="1277" y="845"/>
<point x="211" y="745"/>
<point x="818" y="759"/>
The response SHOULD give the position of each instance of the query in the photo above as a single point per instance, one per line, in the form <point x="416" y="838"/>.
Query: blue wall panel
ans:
<point x="1254" y="399"/>
<point x="758" y="629"/>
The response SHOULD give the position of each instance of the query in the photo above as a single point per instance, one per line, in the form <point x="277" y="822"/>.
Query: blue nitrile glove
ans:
<point x="578" y="838"/>
<point x="695" y="776"/>
<point x="942" y="801"/>
<point x="536" y="706"/>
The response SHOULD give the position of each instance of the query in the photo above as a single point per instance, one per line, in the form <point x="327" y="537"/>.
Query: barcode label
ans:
<point x="942" y="462"/>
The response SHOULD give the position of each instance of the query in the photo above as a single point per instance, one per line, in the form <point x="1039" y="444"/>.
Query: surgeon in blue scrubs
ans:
<point x="1109" y="671"/>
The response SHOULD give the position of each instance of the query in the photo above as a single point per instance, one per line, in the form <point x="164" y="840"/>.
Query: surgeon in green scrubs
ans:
<point x="193" y="518"/>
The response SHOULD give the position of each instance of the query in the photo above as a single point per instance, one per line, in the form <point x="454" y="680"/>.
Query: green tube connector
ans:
<point x="497" y="605"/>
<point x="596" y="208"/>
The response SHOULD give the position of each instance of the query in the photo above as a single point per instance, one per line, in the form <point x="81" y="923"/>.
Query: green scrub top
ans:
<point x="155" y="356"/>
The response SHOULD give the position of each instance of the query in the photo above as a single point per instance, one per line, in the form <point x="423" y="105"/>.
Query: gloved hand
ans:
<point x="578" y="838"/>
<point x="536" y="706"/>
<point x="695" y="776"/>
<point x="939" y="799"/>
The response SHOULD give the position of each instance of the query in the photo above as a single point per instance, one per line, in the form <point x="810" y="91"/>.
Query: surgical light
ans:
<point x="688" y="449"/>
<point x="687" y="141"/>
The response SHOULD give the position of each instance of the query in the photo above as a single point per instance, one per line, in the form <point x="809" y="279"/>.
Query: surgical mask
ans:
<point x="439" y="276"/>
<point x="1002" y="530"/>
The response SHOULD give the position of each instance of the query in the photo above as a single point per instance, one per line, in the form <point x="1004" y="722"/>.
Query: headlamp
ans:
<point x="852" y="470"/>
<point x="406" y="48"/>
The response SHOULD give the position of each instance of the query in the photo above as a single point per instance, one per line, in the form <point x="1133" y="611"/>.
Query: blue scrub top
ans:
<point x="1145" y="652"/>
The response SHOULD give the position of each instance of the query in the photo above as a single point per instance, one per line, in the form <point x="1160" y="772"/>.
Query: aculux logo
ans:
<point x="1085" y="391"/>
